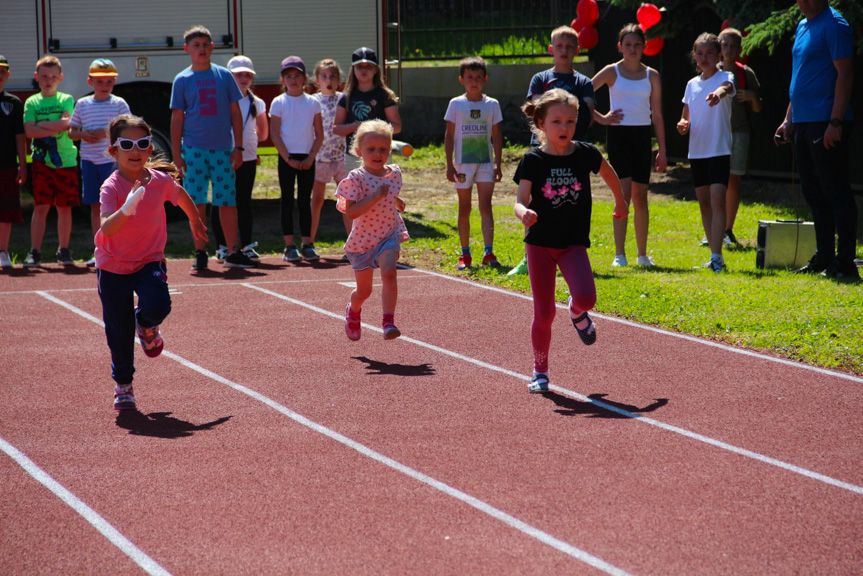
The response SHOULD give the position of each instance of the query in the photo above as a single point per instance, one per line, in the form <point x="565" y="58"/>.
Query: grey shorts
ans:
<point x="363" y="260"/>
<point x="739" y="153"/>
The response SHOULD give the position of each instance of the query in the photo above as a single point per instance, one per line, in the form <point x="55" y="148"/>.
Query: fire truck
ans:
<point x="144" y="39"/>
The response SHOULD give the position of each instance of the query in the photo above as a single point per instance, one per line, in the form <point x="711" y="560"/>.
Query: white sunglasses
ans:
<point x="127" y="144"/>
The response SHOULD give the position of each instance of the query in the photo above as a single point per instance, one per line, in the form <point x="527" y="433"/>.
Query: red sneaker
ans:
<point x="353" y="327"/>
<point x="464" y="262"/>
<point x="390" y="331"/>
<point x="490" y="260"/>
<point x="151" y="340"/>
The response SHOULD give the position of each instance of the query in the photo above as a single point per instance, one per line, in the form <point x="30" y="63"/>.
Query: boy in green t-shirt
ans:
<point x="55" y="158"/>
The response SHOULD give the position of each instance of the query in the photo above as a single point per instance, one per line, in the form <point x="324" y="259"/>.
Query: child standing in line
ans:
<point x="635" y="92"/>
<point x="554" y="204"/>
<point x="298" y="132"/>
<point x="255" y="130"/>
<point x="706" y="118"/>
<point x="90" y="125"/>
<point x="369" y="197"/>
<point x="474" y="139"/>
<point x="207" y="140"/>
<point x="746" y="102"/>
<point x="55" y="174"/>
<point x="563" y="48"/>
<point x="330" y="162"/>
<point x="130" y="247"/>
<point x="13" y="162"/>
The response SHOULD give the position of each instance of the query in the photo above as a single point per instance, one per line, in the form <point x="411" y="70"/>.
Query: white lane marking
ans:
<point x="472" y="501"/>
<point x="348" y="284"/>
<point x="572" y="394"/>
<point x="686" y="337"/>
<point x="113" y="535"/>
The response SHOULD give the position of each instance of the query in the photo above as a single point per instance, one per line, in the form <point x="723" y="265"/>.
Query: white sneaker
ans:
<point x="250" y="253"/>
<point x="644" y="261"/>
<point x="221" y="254"/>
<point x="5" y="261"/>
<point x="620" y="260"/>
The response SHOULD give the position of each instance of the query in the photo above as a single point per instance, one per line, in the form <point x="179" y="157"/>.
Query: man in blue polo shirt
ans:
<point x="819" y="116"/>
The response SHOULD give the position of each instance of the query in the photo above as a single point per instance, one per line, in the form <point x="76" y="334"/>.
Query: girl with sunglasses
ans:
<point x="130" y="246"/>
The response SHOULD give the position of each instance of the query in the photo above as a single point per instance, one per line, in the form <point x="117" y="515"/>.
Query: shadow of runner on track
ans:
<point x="161" y="424"/>
<point x="378" y="368"/>
<point x="573" y="407"/>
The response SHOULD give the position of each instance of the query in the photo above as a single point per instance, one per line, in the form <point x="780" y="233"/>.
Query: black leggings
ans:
<point x="245" y="175"/>
<point x="305" y="182"/>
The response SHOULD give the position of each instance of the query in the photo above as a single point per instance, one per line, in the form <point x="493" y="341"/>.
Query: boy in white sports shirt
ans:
<point x="89" y="124"/>
<point x="473" y="145"/>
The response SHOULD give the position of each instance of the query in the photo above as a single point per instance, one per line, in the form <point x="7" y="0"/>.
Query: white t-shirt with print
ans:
<point x="297" y="114"/>
<point x="710" y="126"/>
<point x="473" y="123"/>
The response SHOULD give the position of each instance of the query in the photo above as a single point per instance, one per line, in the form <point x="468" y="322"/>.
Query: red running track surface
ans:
<point x="267" y="443"/>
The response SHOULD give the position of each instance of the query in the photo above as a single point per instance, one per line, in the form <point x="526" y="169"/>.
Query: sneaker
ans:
<point x="291" y="254"/>
<point x="715" y="265"/>
<point x="644" y="261"/>
<point x="353" y="326"/>
<point x="151" y="340"/>
<point x="811" y="267"/>
<point x="34" y="258"/>
<point x="490" y="260"/>
<point x="221" y="254"/>
<point x="250" y="253"/>
<point x="538" y="384"/>
<point x="5" y="261"/>
<point x="91" y="262"/>
<point x="620" y="261"/>
<point x="200" y="261"/>
<point x="64" y="257"/>
<point x="124" y="397"/>
<point x="464" y="262"/>
<point x="309" y="253"/>
<point x="238" y="260"/>
<point x="520" y="268"/>
<point x="588" y="333"/>
<point x="390" y="331"/>
<point x="842" y="272"/>
<point x="730" y="239"/>
<point x="704" y="242"/>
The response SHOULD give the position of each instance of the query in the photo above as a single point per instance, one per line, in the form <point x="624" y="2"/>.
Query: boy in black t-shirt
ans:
<point x="13" y="162"/>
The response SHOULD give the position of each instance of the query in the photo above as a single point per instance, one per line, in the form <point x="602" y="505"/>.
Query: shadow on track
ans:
<point x="572" y="407"/>
<point x="377" y="368"/>
<point x="161" y="424"/>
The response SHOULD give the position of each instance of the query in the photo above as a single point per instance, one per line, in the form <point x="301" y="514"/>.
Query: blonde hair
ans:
<point x="565" y="31"/>
<point x="537" y="111"/>
<point x="49" y="61"/>
<point x="158" y="162"/>
<point x="368" y="128"/>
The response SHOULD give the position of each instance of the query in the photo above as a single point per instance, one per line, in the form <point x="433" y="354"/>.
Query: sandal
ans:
<point x="587" y="336"/>
<point x="538" y="383"/>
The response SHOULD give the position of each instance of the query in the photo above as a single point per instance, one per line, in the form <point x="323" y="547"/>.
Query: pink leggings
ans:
<point x="542" y="265"/>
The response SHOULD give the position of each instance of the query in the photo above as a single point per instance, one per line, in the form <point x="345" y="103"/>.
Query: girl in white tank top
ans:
<point x="636" y="103"/>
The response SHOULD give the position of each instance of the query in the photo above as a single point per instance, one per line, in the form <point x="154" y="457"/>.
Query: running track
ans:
<point x="267" y="443"/>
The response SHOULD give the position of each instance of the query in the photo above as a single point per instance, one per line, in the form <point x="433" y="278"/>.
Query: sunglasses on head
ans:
<point x="127" y="145"/>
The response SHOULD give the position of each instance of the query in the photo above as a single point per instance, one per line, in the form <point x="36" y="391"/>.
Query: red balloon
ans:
<point x="653" y="46"/>
<point x="578" y="25"/>
<point x="588" y="38"/>
<point x="725" y="24"/>
<point x="648" y="15"/>
<point x="588" y="11"/>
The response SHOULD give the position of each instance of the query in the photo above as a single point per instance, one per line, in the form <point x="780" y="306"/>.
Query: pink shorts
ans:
<point x="55" y="186"/>
<point x="330" y="171"/>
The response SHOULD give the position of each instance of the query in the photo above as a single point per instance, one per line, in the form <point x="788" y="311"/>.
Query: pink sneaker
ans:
<point x="390" y="331"/>
<point x="151" y="340"/>
<point x="353" y="327"/>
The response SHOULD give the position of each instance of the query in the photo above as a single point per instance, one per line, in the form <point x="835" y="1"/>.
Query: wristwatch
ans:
<point x="836" y="122"/>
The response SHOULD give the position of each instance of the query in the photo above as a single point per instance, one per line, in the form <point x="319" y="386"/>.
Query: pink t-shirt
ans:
<point x="142" y="239"/>
<point x="382" y="219"/>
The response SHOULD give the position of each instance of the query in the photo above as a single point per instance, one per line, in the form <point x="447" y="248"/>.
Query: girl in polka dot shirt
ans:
<point x="369" y="197"/>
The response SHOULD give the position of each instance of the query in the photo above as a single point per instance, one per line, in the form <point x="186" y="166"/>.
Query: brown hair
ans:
<point x="536" y="111"/>
<point x="49" y="61"/>
<point x="158" y="162"/>
<point x="369" y="127"/>
<point x="197" y="32"/>
<point x="631" y="29"/>
<point x="733" y="32"/>
<point x="705" y="38"/>
<point x="377" y="81"/>
<point x="328" y="64"/>
<point x="472" y="63"/>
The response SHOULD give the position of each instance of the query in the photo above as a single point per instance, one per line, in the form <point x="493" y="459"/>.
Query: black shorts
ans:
<point x="630" y="152"/>
<point x="707" y="171"/>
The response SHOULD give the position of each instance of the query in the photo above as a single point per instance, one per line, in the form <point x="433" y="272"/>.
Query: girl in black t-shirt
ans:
<point x="554" y="203"/>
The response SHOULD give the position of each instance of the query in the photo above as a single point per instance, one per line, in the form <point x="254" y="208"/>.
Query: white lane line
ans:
<point x="113" y="535"/>
<point x="476" y="503"/>
<point x="572" y="394"/>
<point x="686" y="337"/>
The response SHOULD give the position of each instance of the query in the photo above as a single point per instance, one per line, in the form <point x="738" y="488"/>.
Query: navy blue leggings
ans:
<point x="117" y="292"/>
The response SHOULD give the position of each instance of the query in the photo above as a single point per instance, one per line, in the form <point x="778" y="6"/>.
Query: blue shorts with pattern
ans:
<point x="204" y="166"/>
